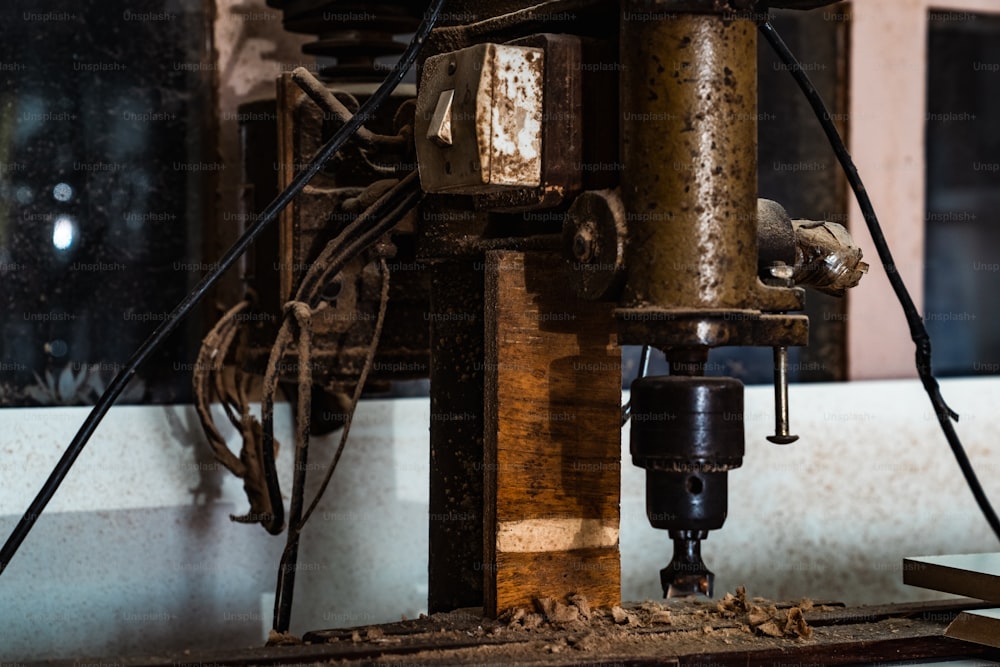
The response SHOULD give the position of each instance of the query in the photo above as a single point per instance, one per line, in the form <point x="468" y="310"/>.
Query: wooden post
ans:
<point x="552" y="437"/>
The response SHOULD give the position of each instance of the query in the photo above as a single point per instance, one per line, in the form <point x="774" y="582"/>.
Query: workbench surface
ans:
<point x="734" y="630"/>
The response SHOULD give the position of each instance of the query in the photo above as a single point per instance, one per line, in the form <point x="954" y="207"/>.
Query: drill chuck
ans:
<point x="687" y="432"/>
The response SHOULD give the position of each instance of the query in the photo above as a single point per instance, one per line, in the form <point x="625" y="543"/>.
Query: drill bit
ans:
<point x="686" y="574"/>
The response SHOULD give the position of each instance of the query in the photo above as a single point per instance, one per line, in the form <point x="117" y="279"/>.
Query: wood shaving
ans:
<point x="581" y="603"/>
<point x="622" y="617"/>
<point x="521" y="618"/>
<point x="587" y="642"/>
<point x="773" y="622"/>
<point x="796" y="624"/>
<point x="660" y="618"/>
<point x="758" y="615"/>
<point x="532" y="621"/>
<point x="574" y="615"/>
<point x="556" y="612"/>
<point x="770" y="629"/>
<point x="731" y="605"/>
<point x="275" y="638"/>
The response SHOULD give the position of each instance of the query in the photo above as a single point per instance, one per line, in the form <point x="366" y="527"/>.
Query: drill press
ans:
<point x="689" y="150"/>
<point x="622" y="136"/>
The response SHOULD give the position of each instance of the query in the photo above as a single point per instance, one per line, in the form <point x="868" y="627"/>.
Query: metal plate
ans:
<point x="493" y="119"/>
<point x="973" y="575"/>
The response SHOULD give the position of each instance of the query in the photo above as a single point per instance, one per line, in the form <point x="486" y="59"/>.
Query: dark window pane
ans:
<point x="963" y="193"/>
<point x="102" y="189"/>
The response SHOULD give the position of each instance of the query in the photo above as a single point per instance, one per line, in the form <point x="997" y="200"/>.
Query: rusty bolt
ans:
<point x="782" y="271"/>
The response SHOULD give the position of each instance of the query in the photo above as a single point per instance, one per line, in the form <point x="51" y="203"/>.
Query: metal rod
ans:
<point x="781" y="428"/>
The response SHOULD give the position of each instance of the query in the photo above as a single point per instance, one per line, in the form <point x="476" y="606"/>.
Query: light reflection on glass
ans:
<point x="57" y="347"/>
<point x="63" y="232"/>
<point x="62" y="192"/>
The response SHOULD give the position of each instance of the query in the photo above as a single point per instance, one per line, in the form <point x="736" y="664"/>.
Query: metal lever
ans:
<point x="781" y="435"/>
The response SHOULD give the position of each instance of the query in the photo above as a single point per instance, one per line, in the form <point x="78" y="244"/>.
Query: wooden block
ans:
<point x="981" y="627"/>
<point x="552" y="437"/>
<point x="973" y="575"/>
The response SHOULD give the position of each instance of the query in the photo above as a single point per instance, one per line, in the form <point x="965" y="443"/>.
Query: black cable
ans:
<point x="124" y="376"/>
<point x="918" y="333"/>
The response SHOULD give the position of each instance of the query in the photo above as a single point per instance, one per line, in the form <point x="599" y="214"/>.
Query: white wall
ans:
<point x="886" y="121"/>
<point x="129" y="559"/>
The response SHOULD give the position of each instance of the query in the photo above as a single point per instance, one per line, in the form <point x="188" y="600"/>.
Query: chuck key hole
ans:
<point x="695" y="485"/>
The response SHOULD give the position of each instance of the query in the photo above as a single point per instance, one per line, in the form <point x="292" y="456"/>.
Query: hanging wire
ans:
<point x="350" y="243"/>
<point x="168" y="326"/>
<point x="918" y="332"/>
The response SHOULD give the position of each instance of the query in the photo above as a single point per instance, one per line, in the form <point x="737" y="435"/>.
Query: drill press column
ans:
<point x="689" y="127"/>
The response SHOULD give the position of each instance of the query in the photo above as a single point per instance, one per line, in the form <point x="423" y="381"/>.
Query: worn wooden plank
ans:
<point x="936" y="611"/>
<point x="463" y="638"/>
<point x="552" y="437"/>
<point x="879" y="649"/>
<point x="973" y="575"/>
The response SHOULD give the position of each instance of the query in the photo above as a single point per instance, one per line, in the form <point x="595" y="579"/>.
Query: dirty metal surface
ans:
<point x="562" y="128"/>
<point x="593" y="240"/>
<point x="689" y="147"/>
<point x="664" y="328"/>
<point x="493" y="120"/>
<point x="683" y="632"/>
<point x="689" y="110"/>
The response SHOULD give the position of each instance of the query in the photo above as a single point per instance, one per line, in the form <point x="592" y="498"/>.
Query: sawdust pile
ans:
<point x="757" y="616"/>
<point x="769" y="620"/>
<point x="577" y="613"/>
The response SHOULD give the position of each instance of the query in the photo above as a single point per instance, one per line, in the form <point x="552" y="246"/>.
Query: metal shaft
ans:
<point x="781" y="435"/>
